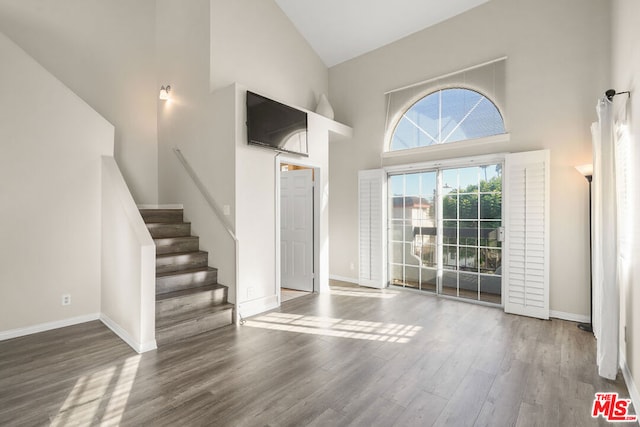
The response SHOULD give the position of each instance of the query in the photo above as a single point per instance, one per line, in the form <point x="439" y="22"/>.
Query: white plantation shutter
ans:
<point x="526" y="255"/>
<point x="372" y="228"/>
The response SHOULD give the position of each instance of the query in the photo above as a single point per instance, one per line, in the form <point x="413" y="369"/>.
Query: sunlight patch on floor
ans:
<point x="120" y="395"/>
<point x="364" y="293"/>
<point x="332" y="327"/>
<point x="87" y="402"/>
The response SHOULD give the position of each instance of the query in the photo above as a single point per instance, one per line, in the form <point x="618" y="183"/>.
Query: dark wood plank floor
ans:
<point x="356" y="357"/>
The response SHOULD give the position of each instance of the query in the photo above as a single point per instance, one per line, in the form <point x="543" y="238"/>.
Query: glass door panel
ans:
<point x="449" y="283"/>
<point x="428" y="279"/>
<point x="468" y="285"/>
<point x="472" y="217"/>
<point x="413" y="230"/>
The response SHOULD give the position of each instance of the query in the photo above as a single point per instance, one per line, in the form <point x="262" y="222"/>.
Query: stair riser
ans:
<point x="159" y="231"/>
<point x="162" y="215"/>
<point x="184" y="281"/>
<point x="195" y="327"/>
<point x="172" y="246"/>
<point x="197" y="301"/>
<point x="181" y="262"/>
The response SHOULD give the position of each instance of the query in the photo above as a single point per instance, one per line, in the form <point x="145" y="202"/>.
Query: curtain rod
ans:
<point x="612" y="92"/>
<point x="464" y="70"/>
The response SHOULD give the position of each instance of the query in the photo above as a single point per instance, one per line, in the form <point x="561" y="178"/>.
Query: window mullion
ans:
<point x="458" y="241"/>
<point x="420" y="213"/>
<point x="478" y="237"/>
<point x="404" y="230"/>
<point x="439" y="232"/>
<point x="462" y="120"/>
<point x="440" y="117"/>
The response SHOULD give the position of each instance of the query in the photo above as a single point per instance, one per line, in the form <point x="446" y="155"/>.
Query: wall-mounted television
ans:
<point x="277" y="126"/>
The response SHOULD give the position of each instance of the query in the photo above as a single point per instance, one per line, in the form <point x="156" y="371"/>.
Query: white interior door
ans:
<point x="296" y="229"/>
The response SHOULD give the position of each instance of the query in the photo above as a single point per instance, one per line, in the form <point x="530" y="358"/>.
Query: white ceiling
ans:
<point x="339" y="30"/>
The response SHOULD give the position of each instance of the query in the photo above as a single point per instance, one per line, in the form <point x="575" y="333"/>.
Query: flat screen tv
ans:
<point x="277" y="126"/>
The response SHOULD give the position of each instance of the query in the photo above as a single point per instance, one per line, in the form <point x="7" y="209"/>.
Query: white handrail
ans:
<point x="218" y="212"/>
<point x="205" y="193"/>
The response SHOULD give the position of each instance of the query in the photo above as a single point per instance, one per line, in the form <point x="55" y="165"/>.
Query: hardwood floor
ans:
<point x="356" y="357"/>
<point x="289" y="294"/>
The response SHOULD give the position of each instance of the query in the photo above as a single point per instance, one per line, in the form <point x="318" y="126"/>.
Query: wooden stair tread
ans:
<point x="168" y="245"/>
<point x="164" y="322"/>
<point x="156" y="224"/>
<point x="175" y="254"/>
<point x="161" y="230"/>
<point x="190" y="271"/>
<point x="167" y="216"/>
<point x="180" y="261"/>
<point x="189" y="291"/>
<point x="171" y="281"/>
<point x="179" y="238"/>
<point x="165" y="223"/>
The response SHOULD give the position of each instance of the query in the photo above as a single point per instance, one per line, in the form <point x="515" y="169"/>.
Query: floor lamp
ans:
<point x="587" y="172"/>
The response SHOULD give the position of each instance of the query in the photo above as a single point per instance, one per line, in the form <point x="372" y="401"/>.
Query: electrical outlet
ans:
<point x="226" y="210"/>
<point x="352" y="266"/>
<point x="250" y="292"/>
<point x="66" y="299"/>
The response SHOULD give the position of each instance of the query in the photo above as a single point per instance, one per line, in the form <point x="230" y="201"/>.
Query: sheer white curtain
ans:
<point x="606" y="299"/>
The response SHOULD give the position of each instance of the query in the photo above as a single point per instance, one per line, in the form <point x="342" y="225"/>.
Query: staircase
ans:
<point x="189" y="300"/>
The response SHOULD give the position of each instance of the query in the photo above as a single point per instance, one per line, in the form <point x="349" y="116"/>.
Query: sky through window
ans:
<point x="447" y="115"/>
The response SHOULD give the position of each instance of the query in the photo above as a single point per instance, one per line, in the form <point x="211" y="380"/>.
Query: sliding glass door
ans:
<point x="445" y="230"/>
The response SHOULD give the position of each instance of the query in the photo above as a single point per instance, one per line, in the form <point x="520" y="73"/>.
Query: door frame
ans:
<point x="279" y="161"/>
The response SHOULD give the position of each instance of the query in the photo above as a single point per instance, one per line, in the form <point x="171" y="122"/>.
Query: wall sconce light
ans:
<point x="164" y="92"/>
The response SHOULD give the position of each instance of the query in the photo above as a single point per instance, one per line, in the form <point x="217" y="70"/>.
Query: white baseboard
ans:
<point x="631" y="385"/>
<point x="257" y="306"/>
<point x="124" y="336"/>
<point x="165" y="206"/>
<point x="343" y="279"/>
<point x="42" y="327"/>
<point x="148" y="346"/>
<point x="581" y="318"/>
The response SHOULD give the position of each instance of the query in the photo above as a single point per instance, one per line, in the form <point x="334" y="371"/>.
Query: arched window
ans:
<point x="444" y="116"/>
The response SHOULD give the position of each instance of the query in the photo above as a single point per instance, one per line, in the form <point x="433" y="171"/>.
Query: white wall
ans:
<point x="128" y="259"/>
<point x="211" y="44"/>
<point x="115" y="55"/>
<point x="253" y="43"/>
<point x="50" y="207"/>
<point x="105" y="52"/>
<point x="256" y="209"/>
<point x="201" y="124"/>
<point x="556" y="68"/>
<point x="626" y="76"/>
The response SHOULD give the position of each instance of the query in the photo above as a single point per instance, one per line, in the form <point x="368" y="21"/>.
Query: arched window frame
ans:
<point x="462" y="144"/>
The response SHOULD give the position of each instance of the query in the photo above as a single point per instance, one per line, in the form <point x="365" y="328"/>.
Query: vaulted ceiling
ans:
<point x="339" y="30"/>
